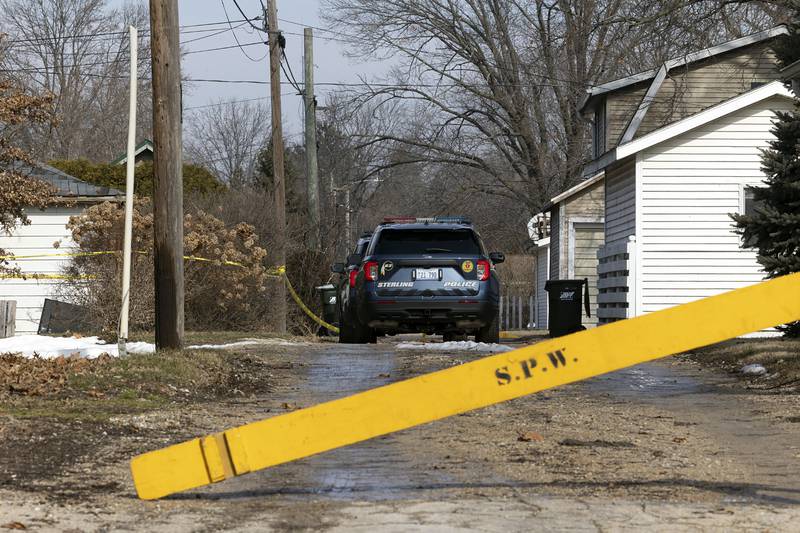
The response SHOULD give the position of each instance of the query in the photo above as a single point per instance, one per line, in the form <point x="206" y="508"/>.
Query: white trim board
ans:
<point x="775" y="88"/>
<point x="577" y="188"/>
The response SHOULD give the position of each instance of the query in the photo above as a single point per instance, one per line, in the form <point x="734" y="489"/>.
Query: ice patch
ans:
<point x="753" y="370"/>
<point x="459" y="346"/>
<point x="52" y="347"/>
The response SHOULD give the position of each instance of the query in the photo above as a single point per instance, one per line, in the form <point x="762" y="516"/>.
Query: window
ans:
<point x="599" y="130"/>
<point x="749" y="208"/>
<point x="427" y="241"/>
<point x="750" y="203"/>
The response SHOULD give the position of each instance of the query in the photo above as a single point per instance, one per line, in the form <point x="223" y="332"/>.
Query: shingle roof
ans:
<point x="146" y="144"/>
<point x="65" y="185"/>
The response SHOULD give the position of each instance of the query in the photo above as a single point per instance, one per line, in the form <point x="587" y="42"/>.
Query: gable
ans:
<point x="629" y="108"/>
<point x="772" y="89"/>
<point x="688" y="90"/>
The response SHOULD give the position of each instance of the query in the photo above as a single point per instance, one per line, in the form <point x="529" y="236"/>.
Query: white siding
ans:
<point x="620" y="199"/>
<point x="542" y="271"/>
<point x="47" y="227"/>
<point x="689" y="186"/>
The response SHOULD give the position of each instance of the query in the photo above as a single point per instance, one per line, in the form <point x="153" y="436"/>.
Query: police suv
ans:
<point x="430" y="275"/>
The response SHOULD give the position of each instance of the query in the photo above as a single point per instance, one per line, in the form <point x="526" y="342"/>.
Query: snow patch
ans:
<point x="53" y="347"/>
<point x="753" y="370"/>
<point x="92" y="347"/>
<point x="460" y="346"/>
<point x="245" y="342"/>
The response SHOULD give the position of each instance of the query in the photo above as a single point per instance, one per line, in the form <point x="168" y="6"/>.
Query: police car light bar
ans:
<point x="427" y="220"/>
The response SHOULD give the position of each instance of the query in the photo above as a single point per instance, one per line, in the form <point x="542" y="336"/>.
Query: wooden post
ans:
<point x="312" y="176"/>
<point x="502" y="315"/>
<point x="167" y="173"/>
<point x="8" y="318"/>
<point x="277" y="159"/>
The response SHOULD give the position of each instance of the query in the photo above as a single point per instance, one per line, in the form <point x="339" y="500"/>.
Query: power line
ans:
<point x="234" y="33"/>
<point x="245" y="16"/>
<point x="220" y="32"/>
<point x="50" y="70"/>
<point x="290" y="75"/>
<point x="229" y="47"/>
<point x="122" y="33"/>
<point x="226" y="102"/>
<point x="307" y="25"/>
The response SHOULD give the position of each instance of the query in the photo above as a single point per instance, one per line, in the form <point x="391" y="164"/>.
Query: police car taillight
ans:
<point x="483" y="268"/>
<point x="371" y="270"/>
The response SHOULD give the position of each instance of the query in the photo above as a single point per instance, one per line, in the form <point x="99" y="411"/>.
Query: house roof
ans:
<point x="775" y="88"/>
<point x="577" y="188"/>
<point x="791" y="71"/>
<point x="681" y="61"/>
<point x="66" y="186"/>
<point x="146" y="144"/>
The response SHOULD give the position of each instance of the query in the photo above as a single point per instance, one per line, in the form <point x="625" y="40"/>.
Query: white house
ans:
<point x="669" y="196"/>
<point x="568" y="248"/>
<point x="674" y="149"/>
<point x="48" y="226"/>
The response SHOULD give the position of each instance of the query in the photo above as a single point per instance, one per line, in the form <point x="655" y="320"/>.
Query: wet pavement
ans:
<point x="378" y="469"/>
<point x="385" y="469"/>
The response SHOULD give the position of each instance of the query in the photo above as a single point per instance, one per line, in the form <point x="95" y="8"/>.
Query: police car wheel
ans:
<point x="490" y="333"/>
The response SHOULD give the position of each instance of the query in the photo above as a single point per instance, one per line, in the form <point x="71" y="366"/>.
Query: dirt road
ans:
<point x="667" y="446"/>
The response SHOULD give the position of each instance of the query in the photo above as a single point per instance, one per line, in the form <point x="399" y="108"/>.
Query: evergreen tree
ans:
<point x="773" y="225"/>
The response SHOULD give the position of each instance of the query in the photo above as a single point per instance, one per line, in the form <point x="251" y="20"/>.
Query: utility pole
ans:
<point x="311" y="139"/>
<point x="167" y="173"/>
<point x="275" y="49"/>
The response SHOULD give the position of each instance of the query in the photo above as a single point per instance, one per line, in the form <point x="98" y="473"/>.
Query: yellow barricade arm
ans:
<point x="462" y="388"/>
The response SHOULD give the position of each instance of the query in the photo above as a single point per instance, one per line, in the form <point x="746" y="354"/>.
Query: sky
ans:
<point x="331" y="64"/>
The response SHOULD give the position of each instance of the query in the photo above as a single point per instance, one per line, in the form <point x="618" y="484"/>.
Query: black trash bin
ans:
<point x="564" y="297"/>
<point x="330" y="309"/>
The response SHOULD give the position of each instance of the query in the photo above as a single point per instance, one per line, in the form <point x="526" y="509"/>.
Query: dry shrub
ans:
<point x="219" y="294"/>
<point x="18" y="192"/>
<point x="305" y="268"/>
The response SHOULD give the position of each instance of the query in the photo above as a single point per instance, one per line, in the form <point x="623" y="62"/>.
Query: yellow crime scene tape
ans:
<point x="282" y="272"/>
<point x="473" y="385"/>
<point x="277" y="272"/>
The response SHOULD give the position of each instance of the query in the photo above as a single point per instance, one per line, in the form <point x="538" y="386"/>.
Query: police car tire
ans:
<point x="490" y="333"/>
<point x="346" y="333"/>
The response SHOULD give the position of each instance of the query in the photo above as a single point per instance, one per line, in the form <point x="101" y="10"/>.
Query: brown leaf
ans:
<point x="15" y="525"/>
<point x="528" y="436"/>
<point x="679" y="439"/>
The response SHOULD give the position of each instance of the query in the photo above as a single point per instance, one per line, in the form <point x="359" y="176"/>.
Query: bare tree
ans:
<point x="76" y="50"/>
<point x="226" y="137"/>
<point x="494" y="85"/>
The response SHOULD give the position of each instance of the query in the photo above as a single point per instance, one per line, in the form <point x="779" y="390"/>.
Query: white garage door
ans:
<point x="588" y="238"/>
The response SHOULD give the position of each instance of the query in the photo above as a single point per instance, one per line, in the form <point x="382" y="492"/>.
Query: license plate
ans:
<point x="423" y="274"/>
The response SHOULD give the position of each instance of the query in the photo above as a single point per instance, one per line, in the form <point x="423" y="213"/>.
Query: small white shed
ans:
<point x="48" y="226"/>
<point x="668" y="199"/>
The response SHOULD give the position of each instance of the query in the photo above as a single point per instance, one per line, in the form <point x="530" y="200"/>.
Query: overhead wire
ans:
<point x="93" y="36"/>
<point x="236" y="3"/>
<point x="254" y="60"/>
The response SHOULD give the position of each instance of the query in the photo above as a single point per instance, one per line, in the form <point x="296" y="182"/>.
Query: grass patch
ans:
<point x="216" y="337"/>
<point x="74" y="388"/>
<point x="777" y="355"/>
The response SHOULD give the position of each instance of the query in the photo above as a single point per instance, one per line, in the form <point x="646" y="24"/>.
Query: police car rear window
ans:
<point x="427" y="242"/>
